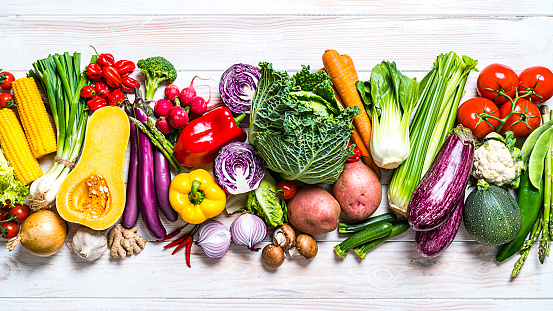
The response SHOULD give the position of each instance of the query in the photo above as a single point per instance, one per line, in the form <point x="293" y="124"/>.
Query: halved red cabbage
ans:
<point x="238" y="169"/>
<point x="238" y="85"/>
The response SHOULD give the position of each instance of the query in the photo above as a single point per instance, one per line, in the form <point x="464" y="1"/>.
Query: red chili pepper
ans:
<point x="102" y="89"/>
<point x="111" y="76"/>
<point x="201" y="139"/>
<point x="124" y="67"/>
<point x="88" y="91"/>
<point x="355" y="156"/>
<point x="94" y="71"/>
<point x="130" y="82"/>
<point x="175" y="242"/>
<point x="186" y="241"/>
<point x="172" y="234"/>
<point x="96" y="103"/>
<point x="105" y="59"/>
<point x="116" y="97"/>
<point x="188" y="251"/>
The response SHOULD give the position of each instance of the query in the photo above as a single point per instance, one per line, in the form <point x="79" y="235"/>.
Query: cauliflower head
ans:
<point x="496" y="164"/>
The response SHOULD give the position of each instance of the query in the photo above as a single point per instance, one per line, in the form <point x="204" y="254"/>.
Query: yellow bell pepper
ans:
<point x="196" y="196"/>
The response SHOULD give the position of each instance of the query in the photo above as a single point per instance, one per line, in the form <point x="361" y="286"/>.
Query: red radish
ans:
<point x="177" y="117"/>
<point x="198" y="105"/>
<point x="188" y="93"/>
<point x="171" y="92"/>
<point x="162" y="107"/>
<point x="163" y="126"/>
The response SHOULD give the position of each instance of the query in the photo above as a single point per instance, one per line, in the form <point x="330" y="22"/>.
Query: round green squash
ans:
<point x="491" y="215"/>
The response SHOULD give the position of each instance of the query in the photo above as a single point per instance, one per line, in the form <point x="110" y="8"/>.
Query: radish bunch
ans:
<point x="172" y="112"/>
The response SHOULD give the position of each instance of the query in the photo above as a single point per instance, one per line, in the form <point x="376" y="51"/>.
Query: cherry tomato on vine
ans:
<point x="286" y="189"/>
<point x="5" y="100"/>
<point x="6" y="80"/>
<point x="473" y="114"/>
<point x="520" y="124"/>
<point x="497" y="77"/>
<point x="20" y="211"/>
<point x="10" y="229"/>
<point x="537" y="80"/>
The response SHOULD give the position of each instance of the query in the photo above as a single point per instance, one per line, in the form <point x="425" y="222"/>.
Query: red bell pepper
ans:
<point x="112" y="77"/>
<point x="130" y="82"/>
<point x="94" y="71"/>
<point x="201" y="139"/>
<point x="124" y="67"/>
<point x="116" y="97"/>
<point x="105" y="59"/>
<point x="102" y="88"/>
<point x="96" y="103"/>
<point x="88" y="91"/>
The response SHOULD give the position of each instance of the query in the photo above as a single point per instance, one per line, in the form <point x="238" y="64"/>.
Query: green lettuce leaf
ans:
<point x="264" y="203"/>
<point x="10" y="188"/>
<point x="292" y="132"/>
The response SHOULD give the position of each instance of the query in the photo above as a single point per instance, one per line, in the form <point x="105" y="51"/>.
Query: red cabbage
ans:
<point x="238" y="169"/>
<point x="237" y="86"/>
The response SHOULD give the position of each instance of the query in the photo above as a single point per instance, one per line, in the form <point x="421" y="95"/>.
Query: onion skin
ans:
<point x="214" y="239"/>
<point x="248" y="230"/>
<point x="43" y="233"/>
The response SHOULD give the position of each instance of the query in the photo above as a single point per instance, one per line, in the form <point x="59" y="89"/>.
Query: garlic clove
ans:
<point x="89" y="244"/>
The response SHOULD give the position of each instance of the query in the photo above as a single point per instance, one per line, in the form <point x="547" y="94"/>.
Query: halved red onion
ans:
<point x="214" y="238"/>
<point x="248" y="229"/>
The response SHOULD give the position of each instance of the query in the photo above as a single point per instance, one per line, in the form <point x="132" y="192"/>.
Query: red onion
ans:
<point x="248" y="229"/>
<point x="214" y="239"/>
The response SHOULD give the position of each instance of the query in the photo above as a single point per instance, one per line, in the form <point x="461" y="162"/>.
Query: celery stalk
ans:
<point x="442" y="89"/>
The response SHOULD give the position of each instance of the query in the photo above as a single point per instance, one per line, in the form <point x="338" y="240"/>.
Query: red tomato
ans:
<point x="538" y="80"/>
<point x="472" y="114"/>
<point x="286" y="189"/>
<point x="10" y="229"/>
<point x="497" y="77"/>
<point x="5" y="97"/>
<point x="20" y="211"/>
<point x="6" y="80"/>
<point x="520" y="124"/>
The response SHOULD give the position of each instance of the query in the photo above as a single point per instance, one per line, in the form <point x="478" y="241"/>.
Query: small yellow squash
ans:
<point x="93" y="194"/>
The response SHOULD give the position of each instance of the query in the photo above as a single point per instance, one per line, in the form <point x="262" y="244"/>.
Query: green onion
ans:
<point x="60" y="78"/>
<point x="442" y="89"/>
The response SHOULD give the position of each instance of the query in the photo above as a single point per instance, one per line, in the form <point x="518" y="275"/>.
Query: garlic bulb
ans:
<point x="89" y="244"/>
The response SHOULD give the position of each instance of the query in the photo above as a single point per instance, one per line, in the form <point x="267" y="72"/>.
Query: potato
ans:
<point x="313" y="210"/>
<point x="358" y="191"/>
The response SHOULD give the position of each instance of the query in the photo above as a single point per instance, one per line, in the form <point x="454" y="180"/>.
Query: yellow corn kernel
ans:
<point x="38" y="129"/>
<point x="16" y="149"/>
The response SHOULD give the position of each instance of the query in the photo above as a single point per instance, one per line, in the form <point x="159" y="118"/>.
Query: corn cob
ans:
<point x="16" y="149"/>
<point x="34" y="118"/>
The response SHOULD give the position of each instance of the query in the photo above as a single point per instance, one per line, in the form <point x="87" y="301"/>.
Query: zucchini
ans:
<point x="371" y="233"/>
<point x="491" y="215"/>
<point x="397" y="229"/>
<point x="346" y="228"/>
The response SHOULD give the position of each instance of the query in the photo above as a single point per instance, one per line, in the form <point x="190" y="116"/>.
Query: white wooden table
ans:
<point x="206" y="37"/>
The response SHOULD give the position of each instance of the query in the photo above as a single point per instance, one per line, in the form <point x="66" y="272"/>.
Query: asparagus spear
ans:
<point x="525" y="249"/>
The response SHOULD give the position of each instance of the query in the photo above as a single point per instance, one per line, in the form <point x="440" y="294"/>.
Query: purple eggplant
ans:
<point x="147" y="190"/>
<point x="130" y="214"/>
<point x="162" y="179"/>
<point x="434" y="242"/>
<point x="436" y="197"/>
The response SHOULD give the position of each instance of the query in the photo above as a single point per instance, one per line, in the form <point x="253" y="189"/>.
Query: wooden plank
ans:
<point x="276" y="304"/>
<point x="394" y="270"/>
<point x="207" y="43"/>
<point x="286" y="7"/>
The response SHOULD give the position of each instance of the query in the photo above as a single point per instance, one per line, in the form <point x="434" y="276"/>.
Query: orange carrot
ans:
<point x="351" y="67"/>
<point x="345" y="83"/>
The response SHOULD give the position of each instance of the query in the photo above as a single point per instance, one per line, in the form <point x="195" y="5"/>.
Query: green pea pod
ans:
<point x="532" y="139"/>
<point x="537" y="157"/>
<point x="529" y="201"/>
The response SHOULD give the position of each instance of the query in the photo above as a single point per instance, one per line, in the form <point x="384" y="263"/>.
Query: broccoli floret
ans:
<point x="156" y="69"/>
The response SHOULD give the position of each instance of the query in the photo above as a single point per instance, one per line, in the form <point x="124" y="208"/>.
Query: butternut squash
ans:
<point x="93" y="194"/>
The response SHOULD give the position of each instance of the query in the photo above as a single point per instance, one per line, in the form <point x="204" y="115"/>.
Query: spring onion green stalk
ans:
<point x="393" y="99"/>
<point x="442" y="89"/>
<point x="59" y="76"/>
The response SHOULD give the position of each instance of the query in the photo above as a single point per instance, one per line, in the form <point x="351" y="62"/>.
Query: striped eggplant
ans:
<point x="434" y="242"/>
<point x="436" y="197"/>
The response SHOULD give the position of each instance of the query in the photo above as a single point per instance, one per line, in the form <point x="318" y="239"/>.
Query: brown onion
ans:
<point x="43" y="233"/>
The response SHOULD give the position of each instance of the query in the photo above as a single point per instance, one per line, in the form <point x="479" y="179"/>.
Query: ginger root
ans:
<point x="124" y="242"/>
